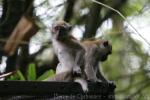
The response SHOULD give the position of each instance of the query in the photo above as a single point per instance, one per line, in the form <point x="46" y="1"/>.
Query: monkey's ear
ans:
<point x="105" y="43"/>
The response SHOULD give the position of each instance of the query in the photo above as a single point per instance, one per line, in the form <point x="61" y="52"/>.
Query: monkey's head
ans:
<point x="105" y="49"/>
<point x="61" y="29"/>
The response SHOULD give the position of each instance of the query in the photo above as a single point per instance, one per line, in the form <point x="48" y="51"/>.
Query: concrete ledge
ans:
<point x="23" y="90"/>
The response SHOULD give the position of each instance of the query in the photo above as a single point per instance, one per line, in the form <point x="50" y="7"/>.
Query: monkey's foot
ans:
<point x="94" y="80"/>
<point x="112" y="83"/>
<point x="99" y="81"/>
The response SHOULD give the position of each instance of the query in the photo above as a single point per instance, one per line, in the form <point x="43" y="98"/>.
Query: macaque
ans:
<point x="96" y="50"/>
<point x="68" y="50"/>
<point x="70" y="54"/>
<point x="78" y="61"/>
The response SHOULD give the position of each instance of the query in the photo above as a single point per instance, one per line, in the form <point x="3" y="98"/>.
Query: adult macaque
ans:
<point x="96" y="50"/>
<point x="70" y="54"/>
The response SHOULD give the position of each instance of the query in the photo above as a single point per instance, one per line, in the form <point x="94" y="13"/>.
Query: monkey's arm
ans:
<point x="89" y="66"/>
<point x="90" y="73"/>
<point x="100" y="75"/>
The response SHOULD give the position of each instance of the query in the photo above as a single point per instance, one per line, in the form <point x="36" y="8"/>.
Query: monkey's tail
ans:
<point x="83" y="83"/>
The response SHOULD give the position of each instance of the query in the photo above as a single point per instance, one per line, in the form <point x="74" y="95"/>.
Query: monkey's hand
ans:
<point x="77" y="71"/>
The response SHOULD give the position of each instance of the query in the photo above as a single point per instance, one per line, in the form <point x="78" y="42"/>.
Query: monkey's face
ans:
<point x="61" y="29"/>
<point x="105" y="49"/>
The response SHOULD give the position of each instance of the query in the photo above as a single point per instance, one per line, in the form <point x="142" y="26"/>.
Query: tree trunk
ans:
<point x="69" y="10"/>
<point x="93" y="19"/>
<point x="12" y="12"/>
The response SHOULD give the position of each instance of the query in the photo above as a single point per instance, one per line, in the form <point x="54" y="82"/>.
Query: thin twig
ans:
<point x="6" y="74"/>
<point x="118" y="12"/>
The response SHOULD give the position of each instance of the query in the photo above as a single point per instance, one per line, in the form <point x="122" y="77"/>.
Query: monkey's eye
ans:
<point x="105" y="43"/>
<point x="57" y="27"/>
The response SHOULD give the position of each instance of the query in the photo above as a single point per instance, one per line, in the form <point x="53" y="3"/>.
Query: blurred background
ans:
<point x="128" y="65"/>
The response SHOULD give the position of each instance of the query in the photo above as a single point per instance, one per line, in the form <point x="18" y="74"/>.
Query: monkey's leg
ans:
<point x="78" y="62"/>
<point x="61" y="77"/>
<point x="89" y="68"/>
<point x="90" y="73"/>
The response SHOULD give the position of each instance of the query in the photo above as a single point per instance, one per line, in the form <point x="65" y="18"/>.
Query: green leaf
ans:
<point x="12" y="77"/>
<point x="47" y="74"/>
<point x="31" y="72"/>
<point x="17" y="76"/>
<point x="20" y="75"/>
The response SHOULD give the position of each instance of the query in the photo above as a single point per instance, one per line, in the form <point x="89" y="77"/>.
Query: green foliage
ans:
<point x="31" y="74"/>
<point x="126" y="66"/>
<point x="132" y="7"/>
<point x="17" y="76"/>
<point x="20" y="75"/>
<point x="47" y="74"/>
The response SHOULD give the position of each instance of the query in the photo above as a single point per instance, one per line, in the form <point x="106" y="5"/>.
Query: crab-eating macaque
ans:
<point x="70" y="54"/>
<point x="96" y="51"/>
<point x="68" y="50"/>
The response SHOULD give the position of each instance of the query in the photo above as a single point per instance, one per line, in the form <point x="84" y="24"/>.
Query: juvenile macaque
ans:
<point x="96" y="50"/>
<point x="70" y="54"/>
<point x="68" y="50"/>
